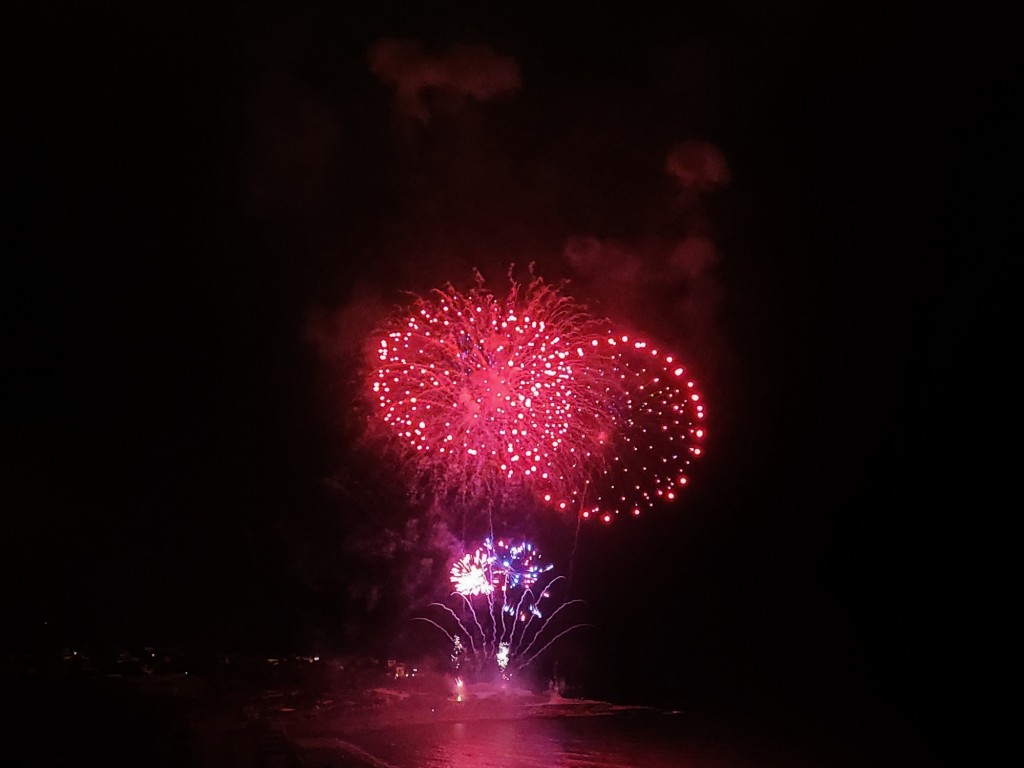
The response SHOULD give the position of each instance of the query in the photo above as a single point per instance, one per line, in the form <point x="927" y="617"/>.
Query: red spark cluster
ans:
<point x="481" y="393"/>
<point x="658" y="434"/>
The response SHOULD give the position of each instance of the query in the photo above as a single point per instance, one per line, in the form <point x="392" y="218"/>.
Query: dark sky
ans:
<point x="206" y="203"/>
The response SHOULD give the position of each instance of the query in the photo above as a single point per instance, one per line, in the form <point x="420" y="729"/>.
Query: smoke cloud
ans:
<point x="697" y="165"/>
<point x="474" y="71"/>
<point x="666" y="282"/>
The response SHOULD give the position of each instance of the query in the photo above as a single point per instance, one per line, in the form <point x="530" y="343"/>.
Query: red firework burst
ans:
<point x="479" y="394"/>
<point x="658" y="435"/>
<point x="477" y="391"/>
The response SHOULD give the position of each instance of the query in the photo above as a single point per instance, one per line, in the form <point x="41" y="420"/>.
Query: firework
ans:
<point x="501" y="626"/>
<point x="504" y="567"/>
<point x="515" y="564"/>
<point x="657" y="435"/>
<point x="480" y="395"/>
<point x="471" y="574"/>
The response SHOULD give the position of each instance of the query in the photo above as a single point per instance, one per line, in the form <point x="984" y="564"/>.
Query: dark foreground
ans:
<point x="194" y="721"/>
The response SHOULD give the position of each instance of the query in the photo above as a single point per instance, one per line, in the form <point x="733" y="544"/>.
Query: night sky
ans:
<point x="207" y="205"/>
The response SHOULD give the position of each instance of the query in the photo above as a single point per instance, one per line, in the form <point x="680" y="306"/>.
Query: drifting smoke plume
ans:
<point x="473" y="71"/>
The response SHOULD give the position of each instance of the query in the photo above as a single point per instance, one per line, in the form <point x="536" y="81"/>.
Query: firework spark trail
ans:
<point x="450" y="636"/>
<point x="501" y="567"/>
<point x="481" y="395"/>
<point x="476" y="620"/>
<point x="536" y="612"/>
<point x="515" y="616"/>
<point x="498" y="638"/>
<point x="549" y="643"/>
<point x="458" y="622"/>
<point x="512" y="649"/>
<point x="474" y="574"/>
<point x="526" y="623"/>
<point x="511" y="566"/>
<point x="502" y="644"/>
<point x="494" y="621"/>
<point x="543" y="627"/>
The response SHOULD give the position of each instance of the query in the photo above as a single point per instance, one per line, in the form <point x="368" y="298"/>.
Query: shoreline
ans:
<point x="329" y="738"/>
<point x="231" y="724"/>
<point x="477" y="703"/>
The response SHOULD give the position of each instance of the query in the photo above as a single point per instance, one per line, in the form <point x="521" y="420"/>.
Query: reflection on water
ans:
<point x="625" y="740"/>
